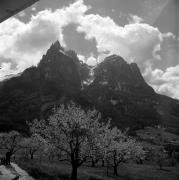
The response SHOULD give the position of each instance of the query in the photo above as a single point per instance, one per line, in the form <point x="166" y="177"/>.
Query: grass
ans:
<point x="129" y="171"/>
<point x="55" y="170"/>
<point x="45" y="171"/>
<point x="152" y="134"/>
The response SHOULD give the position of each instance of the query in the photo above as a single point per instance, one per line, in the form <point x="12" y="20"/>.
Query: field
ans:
<point x="46" y="170"/>
<point x="49" y="167"/>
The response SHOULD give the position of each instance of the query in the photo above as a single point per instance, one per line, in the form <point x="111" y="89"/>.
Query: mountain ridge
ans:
<point x="116" y="88"/>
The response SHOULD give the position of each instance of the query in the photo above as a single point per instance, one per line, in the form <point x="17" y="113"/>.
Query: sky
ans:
<point x="142" y="31"/>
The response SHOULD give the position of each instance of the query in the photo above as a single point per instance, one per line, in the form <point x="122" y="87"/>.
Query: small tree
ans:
<point x="116" y="147"/>
<point x="113" y="137"/>
<point x="32" y="145"/>
<point x="125" y="149"/>
<point x="160" y="157"/>
<point x="11" y="142"/>
<point x="72" y="131"/>
<point x="51" y="152"/>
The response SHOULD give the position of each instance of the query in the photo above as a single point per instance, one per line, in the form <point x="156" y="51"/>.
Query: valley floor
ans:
<point x="61" y="171"/>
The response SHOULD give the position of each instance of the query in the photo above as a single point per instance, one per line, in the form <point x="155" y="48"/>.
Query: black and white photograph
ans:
<point x="89" y="89"/>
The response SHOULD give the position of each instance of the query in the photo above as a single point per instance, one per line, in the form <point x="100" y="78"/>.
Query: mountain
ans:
<point x="120" y="92"/>
<point x="116" y="88"/>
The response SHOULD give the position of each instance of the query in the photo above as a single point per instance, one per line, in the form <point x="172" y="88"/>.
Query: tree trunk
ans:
<point x="160" y="166"/>
<point x="74" y="172"/>
<point x="115" y="170"/>
<point x="8" y="157"/>
<point x="103" y="163"/>
<point x="31" y="156"/>
<point x="107" y="168"/>
<point x="115" y="163"/>
<point x="92" y="163"/>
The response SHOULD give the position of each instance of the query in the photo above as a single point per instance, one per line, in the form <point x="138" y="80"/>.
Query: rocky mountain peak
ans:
<point x="56" y="46"/>
<point x="59" y="67"/>
<point x="114" y="59"/>
<point x="117" y="74"/>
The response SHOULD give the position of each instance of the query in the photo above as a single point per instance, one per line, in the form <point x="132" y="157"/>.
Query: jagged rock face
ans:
<point x="120" y="76"/>
<point x="57" y="67"/>
<point x="115" y="88"/>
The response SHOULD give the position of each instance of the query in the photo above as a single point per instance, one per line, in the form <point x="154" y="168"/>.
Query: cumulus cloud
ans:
<point x="134" y="19"/>
<point x="164" y="81"/>
<point x="6" y="70"/>
<point x="163" y="75"/>
<point x="24" y="43"/>
<point x="168" y="52"/>
<point x="92" y="61"/>
<point x="22" y="14"/>
<point x="81" y="58"/>
<point x="135" y="42"/>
